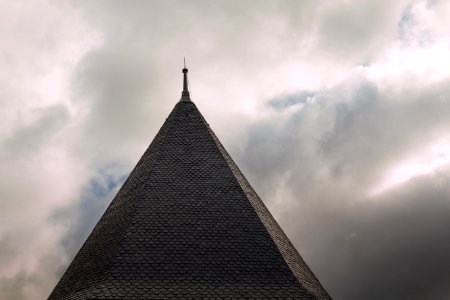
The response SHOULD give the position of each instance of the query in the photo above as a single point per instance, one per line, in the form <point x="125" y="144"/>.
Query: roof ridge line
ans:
<point x="114" y="250"/>
<point x="263" y="212"/>
<point x="141" y="188"/>
<point x="187" y="222"/>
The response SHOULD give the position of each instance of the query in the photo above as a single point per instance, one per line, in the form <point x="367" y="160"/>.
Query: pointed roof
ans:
<point x="187" y="224"/>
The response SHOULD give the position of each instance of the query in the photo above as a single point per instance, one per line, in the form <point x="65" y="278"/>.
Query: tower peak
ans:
<point x="185" y="93"/>
<point x="186" y="224"/>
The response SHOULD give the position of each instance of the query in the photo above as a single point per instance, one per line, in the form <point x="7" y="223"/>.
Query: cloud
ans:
<point x="326" y="100"/>
<point x="81" y="217"/>
<point x="30" y="138"/>
<point x="342" y="142"/>
<point x="344" y="27"/>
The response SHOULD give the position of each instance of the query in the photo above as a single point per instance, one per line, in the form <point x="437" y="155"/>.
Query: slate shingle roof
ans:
<point x="186" y="224"/>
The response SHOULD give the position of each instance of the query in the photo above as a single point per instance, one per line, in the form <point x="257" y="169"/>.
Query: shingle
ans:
<point x="187" y="224"/>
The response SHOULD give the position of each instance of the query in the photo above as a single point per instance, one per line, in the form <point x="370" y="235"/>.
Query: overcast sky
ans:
<point x="338" y="113"/>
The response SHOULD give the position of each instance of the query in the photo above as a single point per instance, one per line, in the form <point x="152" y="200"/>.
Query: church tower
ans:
<point x="186" y="224"/>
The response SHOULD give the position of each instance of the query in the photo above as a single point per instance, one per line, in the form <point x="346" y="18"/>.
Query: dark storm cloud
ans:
<point x="400" y="247"/>
<point x="394" y="248"/>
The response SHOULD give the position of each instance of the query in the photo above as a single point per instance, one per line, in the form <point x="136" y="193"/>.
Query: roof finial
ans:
<point x="185" y="94"/>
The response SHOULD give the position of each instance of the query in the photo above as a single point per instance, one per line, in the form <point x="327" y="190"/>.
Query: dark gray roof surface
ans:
<point x="186" y="224"/>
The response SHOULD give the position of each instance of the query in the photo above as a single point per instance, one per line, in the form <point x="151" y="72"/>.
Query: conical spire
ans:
<point x="185" y="94"/>
<point x="187" y="226"/>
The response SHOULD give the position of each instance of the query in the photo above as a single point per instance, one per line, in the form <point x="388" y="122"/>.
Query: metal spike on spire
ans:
<point x="185" y="94"/>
